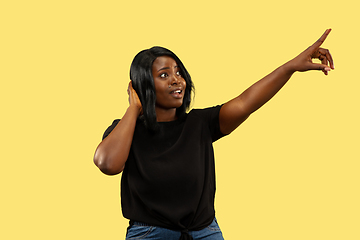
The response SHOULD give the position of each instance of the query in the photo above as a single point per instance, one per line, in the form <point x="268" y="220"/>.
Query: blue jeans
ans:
<point x="143" y="231"/>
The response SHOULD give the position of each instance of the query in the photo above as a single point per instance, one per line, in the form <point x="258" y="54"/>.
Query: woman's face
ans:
<point x="169" y="84"/>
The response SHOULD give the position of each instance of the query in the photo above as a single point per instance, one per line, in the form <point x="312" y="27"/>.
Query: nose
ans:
<point x="175" y="80"/>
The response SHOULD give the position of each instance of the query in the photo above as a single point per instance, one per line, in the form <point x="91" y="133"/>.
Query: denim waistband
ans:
<point x="138" y="223"/>
<point x="131" y="222"/>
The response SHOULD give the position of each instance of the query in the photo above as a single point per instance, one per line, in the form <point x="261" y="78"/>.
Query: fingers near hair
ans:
<point x="129" y="87"/>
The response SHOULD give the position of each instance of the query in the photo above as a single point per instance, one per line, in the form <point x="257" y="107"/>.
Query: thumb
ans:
<point x="318" y="66"/>
<point x="322" y="67"/>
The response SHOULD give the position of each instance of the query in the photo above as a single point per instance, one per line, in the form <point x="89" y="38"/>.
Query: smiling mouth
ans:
<point x="177" y="93"/>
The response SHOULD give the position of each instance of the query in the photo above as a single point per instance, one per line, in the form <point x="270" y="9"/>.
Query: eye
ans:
<point x="163" y="75"/>
<point x="178" y="73"/>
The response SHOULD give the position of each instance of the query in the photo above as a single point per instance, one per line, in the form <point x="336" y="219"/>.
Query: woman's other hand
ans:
<point x="303" y="62"/>
<point x="134" y="100"/>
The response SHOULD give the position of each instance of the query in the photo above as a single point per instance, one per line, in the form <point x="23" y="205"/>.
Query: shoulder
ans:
<point x="114" y="123"/>
<point x="208" y="117"/>
<point x="110" y="128"/>
<point x="205" y="112"/>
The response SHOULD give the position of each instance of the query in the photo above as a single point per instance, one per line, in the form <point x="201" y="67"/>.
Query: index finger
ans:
<point x="320" y="41"/>
<point x="130" y="85"/>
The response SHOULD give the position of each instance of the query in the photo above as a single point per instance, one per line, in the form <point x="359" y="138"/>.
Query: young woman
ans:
<point x="166" y="154"/>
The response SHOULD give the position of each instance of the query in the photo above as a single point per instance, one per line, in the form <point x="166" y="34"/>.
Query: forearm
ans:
<point x="112" y="153"/>
<point x="234" y="112"/>
<point x="262" y="91"/>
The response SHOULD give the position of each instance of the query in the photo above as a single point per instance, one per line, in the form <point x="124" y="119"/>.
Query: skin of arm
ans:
<point x="112" y="153"/>
<point x="237" y="110"/>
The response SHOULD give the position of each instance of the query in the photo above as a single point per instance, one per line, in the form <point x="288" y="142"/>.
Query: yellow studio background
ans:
<point x="291" y="171"/>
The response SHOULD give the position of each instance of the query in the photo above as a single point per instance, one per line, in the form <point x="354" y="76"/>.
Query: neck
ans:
<point x="165" y="115"/>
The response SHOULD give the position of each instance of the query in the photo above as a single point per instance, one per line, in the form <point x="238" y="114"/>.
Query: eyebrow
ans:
<point x="166" y="68"/>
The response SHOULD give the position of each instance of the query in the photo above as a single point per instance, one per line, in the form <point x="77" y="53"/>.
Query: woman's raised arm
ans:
<point x="112" y="153"/>
<point x="237" y="110"/>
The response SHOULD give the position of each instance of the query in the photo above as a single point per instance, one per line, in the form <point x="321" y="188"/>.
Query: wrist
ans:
<point x="289" y="67"/>
<point x="135" y="109"/>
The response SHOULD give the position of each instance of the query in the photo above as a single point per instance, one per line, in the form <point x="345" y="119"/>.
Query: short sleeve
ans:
<point x="211" y="117"/>
<point x="110" y="128"/>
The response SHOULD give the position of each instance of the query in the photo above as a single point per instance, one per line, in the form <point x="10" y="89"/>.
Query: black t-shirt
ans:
<point x="169" y="177"/>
